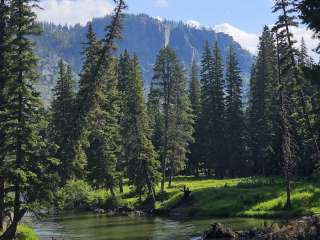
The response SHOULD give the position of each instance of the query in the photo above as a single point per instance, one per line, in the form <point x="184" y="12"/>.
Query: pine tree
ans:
<point x="205" y="130"/>
<point x="104" y="138"/>
<point x="84" y="98"/>
<point x="90" y="55"/>
<point x="234" y="117"/>
<point x="155" y="118"/>
<point x="4" y="63"/>
<point x="141" y="157"/>
<point x="195" y="100"/>
<point x="307" y="165"/>
<point x="5" y="32"/>
<point x="303" y="58"/>
<point x="177" y="116"/>
<point x="288" y="141"/>
<point x="61" y="123"/>
<point x="217" y="122"/>
<point x="263" y="107"/>
<point x="30" y="171"/>
<point x="124" y="74"/>
<point x="212" y="129"/>
<point x="98" y="108"/>
<point x="124" y="71"/>
<point x="298" y="95"/>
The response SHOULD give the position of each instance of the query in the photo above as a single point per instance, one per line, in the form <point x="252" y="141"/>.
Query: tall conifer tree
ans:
<point x="177" y="115"/>
<point x="234" y="117"/>
<point x="155" y="118"/>
<point x="205" y="129"/>
<point x="104" y="138"/>
<point x="263" y="107"/>
<point x="30" y="170"/>
<point x="5" y="34"/>
<point x="98" y="106"/>
<point x="142" y="165"/>
<point x="302" y="116"/>
<point x="218" y="114"/>
<point x="61" y="123"/>
<point x="124" y="75"/>
<point x="195" y="100"/>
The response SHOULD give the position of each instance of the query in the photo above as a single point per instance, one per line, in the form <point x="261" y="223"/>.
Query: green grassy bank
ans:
<point x="241" y="197"/>
<point x="244" y="197"/>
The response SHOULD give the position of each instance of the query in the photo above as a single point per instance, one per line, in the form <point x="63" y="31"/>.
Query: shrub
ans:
<point x="74" y="195"/>
<point x="78" y="194"/>
<point x="26" y="233"/>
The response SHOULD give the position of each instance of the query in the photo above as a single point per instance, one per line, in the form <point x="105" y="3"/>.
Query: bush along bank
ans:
<point x="79" y="195"/>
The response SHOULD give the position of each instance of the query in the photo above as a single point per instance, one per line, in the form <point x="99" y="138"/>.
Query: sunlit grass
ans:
<point x="245" y="197"/>
<point x="25" y="233"/>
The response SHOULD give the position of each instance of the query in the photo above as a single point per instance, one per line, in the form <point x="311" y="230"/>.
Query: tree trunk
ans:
<point x="163" y="177"/>
<point x="171" y="174"/>
<point x="288" y="191"/>
<point x="166" y="127"/>
<point x="170" y="180"/>
<point x="150" y="185"/>
<point x="286" y="135"/>
<point x="209" y="172"/>
<point x="196" y="172"/>
<point x="1" y="203"/>
<point x="121" y="184"/>
<point x="11" y="231"/>
<point x="112" y="191"/>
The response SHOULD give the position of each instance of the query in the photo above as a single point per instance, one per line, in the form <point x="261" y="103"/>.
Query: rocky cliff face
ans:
<point x="142" y="35"/>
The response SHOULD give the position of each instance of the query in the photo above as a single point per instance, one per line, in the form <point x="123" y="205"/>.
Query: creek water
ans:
<point x="85" y="226"/>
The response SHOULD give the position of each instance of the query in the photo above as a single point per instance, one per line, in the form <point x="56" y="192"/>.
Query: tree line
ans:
<point x="106" y="132"/>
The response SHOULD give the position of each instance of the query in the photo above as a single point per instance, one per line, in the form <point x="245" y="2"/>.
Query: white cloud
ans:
<point x="161" y="3"/>
<point x="248" y="41"/>
<point x="194" y="24"/>
<point x="71" y="12"/>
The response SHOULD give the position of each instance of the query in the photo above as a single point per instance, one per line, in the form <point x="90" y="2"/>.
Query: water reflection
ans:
<point x="100" y="227"/>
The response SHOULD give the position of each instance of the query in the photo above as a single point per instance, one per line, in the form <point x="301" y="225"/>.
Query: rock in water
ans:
<point x="218" y="231"/>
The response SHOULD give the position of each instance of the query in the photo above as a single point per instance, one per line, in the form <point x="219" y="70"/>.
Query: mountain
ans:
<point x="142" y="34"/>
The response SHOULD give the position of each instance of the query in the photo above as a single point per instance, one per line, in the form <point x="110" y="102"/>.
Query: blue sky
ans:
<point x="248" y="15"/>
<point x="242" y="19"/>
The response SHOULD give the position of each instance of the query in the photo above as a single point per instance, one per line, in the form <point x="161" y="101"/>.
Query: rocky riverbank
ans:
<point x="305" y="228"/>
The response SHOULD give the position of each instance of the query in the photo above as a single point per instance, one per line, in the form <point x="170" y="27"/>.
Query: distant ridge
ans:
<point x="142" y="34"/>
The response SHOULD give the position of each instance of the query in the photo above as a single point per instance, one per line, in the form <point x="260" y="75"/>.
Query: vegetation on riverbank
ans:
<point x="239" y="197"/>
<point x="25" y="233"/>
<point x="245" y="197"/>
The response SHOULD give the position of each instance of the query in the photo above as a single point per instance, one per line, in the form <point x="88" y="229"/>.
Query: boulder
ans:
<point x="99" y="211"/>
<point x="218" y="231"/>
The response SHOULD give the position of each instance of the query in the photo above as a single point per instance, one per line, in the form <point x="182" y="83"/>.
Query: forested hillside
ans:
<point x="142" y="35"/>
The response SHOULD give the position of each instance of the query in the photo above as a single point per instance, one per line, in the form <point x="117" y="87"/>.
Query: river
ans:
<point x="85" y="226"/>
